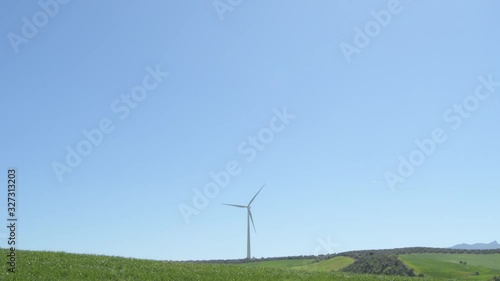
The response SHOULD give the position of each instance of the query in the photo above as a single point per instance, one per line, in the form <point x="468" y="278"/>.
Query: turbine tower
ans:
<point x="249" y="218"/>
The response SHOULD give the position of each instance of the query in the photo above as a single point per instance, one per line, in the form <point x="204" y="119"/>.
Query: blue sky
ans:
<point x="325" y="171"/>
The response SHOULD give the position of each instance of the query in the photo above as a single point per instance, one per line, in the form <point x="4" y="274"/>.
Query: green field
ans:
<point x="333" y="264"/>
<point x="279" y="263"/>
<point x="447" y="266"/>
<point x="51" y="266"/>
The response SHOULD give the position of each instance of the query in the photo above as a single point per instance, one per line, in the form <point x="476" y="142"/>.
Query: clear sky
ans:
<point x="72" y="67"/>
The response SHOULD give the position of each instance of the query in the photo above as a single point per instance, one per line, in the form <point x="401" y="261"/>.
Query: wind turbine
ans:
<point x="249" y="218"/>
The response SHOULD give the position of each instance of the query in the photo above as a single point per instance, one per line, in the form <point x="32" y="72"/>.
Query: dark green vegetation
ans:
<point x="378" y="263"/>
<point x="51" y="266"/>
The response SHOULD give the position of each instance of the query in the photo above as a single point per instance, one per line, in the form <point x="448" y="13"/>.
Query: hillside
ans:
<point x="333" y="264"/>
<point x="55" y="266"/>
<point x="436" y="263"/>
<point x="326" y="265"/>
<point x="459" y="266"/>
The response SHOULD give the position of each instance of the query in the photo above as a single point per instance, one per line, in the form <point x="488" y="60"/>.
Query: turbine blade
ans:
<point x="251" y="218"/>
<point x="256" y="195"/>
<point x="237" y="206"/>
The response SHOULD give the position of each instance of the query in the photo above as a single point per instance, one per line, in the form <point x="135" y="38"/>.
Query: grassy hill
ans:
<point x="279" y="263"/>
<point x="333" y="264"/>
<point x="448" y="266"/>
<point x="53" y="266"/>
<point x="435" y="263"/>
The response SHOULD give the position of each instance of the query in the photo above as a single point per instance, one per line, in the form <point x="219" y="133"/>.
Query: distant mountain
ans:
<point x="478" y="246"/>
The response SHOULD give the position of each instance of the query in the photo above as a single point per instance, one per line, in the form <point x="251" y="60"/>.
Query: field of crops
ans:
<point x="448" y="266"/>
<point x="50" y="266"/>
<point x="328" y="265"/>
<point x="333" y="264"/>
